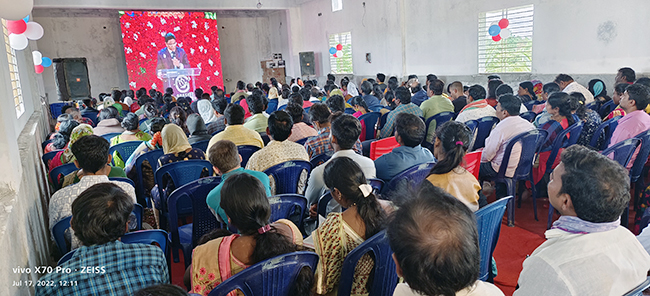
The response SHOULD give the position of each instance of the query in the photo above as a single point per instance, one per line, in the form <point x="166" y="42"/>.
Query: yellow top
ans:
<point x="461" y="184"/>
<point x="239" y="135"/>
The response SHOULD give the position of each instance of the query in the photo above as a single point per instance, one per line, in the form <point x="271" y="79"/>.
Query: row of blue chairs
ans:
<point x="261" y="280"/>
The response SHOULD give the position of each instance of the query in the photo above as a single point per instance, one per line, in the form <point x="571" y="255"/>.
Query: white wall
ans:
<point x="441" y="36"/>
<point x="246" y="39"/>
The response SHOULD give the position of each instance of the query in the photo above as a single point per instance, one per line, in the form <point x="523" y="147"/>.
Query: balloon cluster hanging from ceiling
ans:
<point x="21" y="30"/>
<point x="500" y="30"/>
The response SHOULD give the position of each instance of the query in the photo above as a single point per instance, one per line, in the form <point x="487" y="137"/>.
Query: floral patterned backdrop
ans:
<point x="196" y="32"/>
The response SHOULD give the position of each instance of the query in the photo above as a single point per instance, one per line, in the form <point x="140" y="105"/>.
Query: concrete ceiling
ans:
<point x="210" y="5"/>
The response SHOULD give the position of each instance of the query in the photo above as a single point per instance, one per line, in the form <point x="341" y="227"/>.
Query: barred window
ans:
<point x="341" y="61"/>
<point x="513" y="54"/>
<point x="13" y="73"/>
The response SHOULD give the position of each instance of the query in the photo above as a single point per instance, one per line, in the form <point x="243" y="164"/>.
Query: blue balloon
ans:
<point x="26" y="19"/>
<point x="494" y="30"/>
<point x="332" y="50"/>
<point x="46" y="62"/>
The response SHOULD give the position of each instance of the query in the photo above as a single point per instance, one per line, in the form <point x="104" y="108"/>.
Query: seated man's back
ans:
<point x="104" y="265"/>
<point x="235" y="130"/>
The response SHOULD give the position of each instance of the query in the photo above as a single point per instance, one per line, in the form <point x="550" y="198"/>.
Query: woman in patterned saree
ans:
<point x="342" y="232"/>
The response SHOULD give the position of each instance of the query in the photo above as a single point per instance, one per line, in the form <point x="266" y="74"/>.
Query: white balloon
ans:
<point x="339" y="53"/>
<point x="18" y="41"/>
<point x="13" y="10"/>
<point x="38" y="57"/>
<point x="505" y="33"/>
<point x="34" y="31"/>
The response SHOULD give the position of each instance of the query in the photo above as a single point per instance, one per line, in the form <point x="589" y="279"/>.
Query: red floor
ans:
<point x="515" y="243"/>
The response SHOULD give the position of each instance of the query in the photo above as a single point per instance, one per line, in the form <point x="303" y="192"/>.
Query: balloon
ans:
<point x="496" y="38"/>
<point x="332" y="50"/>
<point x="335" y="56"/>
<point x="339" y="47"/>
<point x="34" y="31"/>
<point x="38" y="57"/>
<point x="13" y="10"/>
<point x="46" y="62"/>
<point x="505" y="33"/>
<point x="494" y="30"/>
<point x="18" y="41"/>
<point x="39" y="69"/>
<point x="503" y="23"/>
<point x="339" y="53"/>
<point x="26" y="19"/>
<point x="16" y="27"/>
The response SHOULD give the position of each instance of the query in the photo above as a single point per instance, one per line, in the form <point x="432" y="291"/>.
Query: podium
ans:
<point x="180" y="80"/>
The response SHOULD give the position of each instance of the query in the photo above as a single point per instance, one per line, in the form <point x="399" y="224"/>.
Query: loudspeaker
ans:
<point x="307" y="67"/>
<point x="71" y="75"/>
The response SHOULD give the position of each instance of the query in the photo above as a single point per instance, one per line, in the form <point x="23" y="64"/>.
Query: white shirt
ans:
<point x="575" y="87"/>
<point x="603" y="263"/>
<point x="479" y="288"/>
<point x="644" y="238"/>
<point x="474" y="114"/>
<point x="316" y="184"/>
<point x="495" y="144"/>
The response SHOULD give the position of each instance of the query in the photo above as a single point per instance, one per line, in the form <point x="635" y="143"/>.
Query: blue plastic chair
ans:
<point x="275" y="276"/>
<point x="152" y="157"/>
<point x="245" y="151"/>
<point x="622" y="150"/>
<point x="283" y="107"/>
<point x="409" y="178"/>
<point x="377" y="185"/>
<point x="203" y="145"/>
<point x="485" y="126"/>
<point x="47" y="157"/>
<point x="44" y="144"/>
<point x="605" y="130"/>
<point x="181" y="173"/>
<point x="472" y="125"/>
<point x="272" y="106"/>
<point x="384" y="279"/>
<point x="287" y="206"/>
<point x="92" y="116"/>
<point x="370" y="120"/>
<point x="66" y="257"/>
<point x="529" y="105"/>
<point x="638" y="291"/>
<point x="287" y="175"/>
<point x="323" y="201"/>
<point x="530" y="142"/>
<point x="606" y="108"/>
<point x="62" y="170"/>
<point x="593" y="106"/>
<point x="186" y="236"/>
<point x="302" y="141"/>
<point x="530" y="115"/>
<point x="265" y="138"/>
<point x="55" y="109"/>
<point x="147" y="237"/>
<point x="375" y="108"/>
<point x="439" y="118"/>
<point x="488" y="224"/>
<point x="349" y="111"/>
<point x="382" y="121"/>
<point x="561" y="141"/>
<point x="321" y="158"/>
<point x="637" y="171"/>
<point x="138" y="211"/>
<point x="109" y="136"/>
<point x="122" y="179"/>
<point x="58" y="232"/>
<point x="143" y="120"/>
<point x="124" y="150"/>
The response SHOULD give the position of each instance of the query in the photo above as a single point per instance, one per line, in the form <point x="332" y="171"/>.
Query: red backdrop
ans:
<point x="196" y="32"/>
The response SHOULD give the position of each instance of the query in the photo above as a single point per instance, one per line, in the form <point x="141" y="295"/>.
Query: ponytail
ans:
<point x="454" y="137"/>
<point x="345" y="175"/>
<point x="244" y="201"/>
<point x="562" y="101"/>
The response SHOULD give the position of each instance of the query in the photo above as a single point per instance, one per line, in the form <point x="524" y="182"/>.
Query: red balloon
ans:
<point x="496" y="38"/>
<point x="16" y="27"/>
<point x="39" y="69"/>
<point x="339" y="47"/>
<point x="503" y="23"/>
<point x="335" y="56"/>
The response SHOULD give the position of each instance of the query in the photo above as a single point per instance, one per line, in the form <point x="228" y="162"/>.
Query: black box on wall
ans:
<point x="71" y="76"/>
